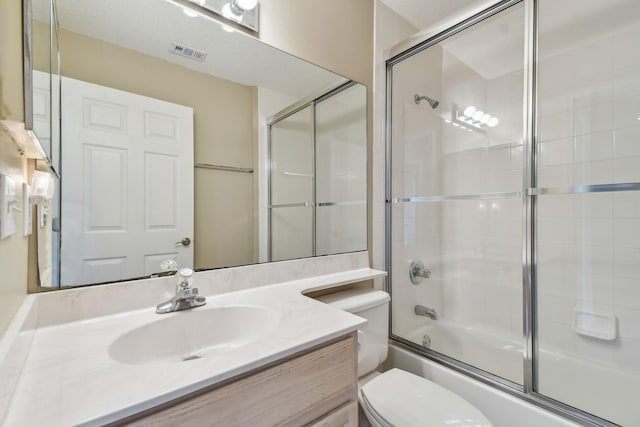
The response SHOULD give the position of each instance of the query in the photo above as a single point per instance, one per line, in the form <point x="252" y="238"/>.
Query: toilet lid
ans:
<point x="404" y="399"/>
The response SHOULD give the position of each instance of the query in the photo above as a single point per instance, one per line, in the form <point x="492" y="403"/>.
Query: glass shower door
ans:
<point x="292" y="186"/>
<point x="456" y="196"/>
<point x="341" y="172"/>
<point x="588" y="207"/>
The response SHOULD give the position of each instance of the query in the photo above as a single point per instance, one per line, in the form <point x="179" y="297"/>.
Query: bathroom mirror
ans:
<point x="165" y="145"/>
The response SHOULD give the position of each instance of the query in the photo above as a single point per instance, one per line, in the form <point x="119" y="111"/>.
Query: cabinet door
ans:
<point x="345" y="416"/>
<point x="296" y="392"/>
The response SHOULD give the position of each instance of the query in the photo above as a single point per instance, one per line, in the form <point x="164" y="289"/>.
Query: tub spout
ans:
<point x="421" y="310"/>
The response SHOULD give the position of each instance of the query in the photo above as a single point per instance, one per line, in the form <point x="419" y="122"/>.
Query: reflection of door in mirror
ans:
<point x="127" y="204"/>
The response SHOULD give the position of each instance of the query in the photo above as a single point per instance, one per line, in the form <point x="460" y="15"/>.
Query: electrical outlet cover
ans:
<point x="8" y="200"/>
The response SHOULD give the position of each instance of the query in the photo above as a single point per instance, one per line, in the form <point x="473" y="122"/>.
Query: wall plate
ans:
<point x="8" y="201"/>
<point x="26" y="210"/>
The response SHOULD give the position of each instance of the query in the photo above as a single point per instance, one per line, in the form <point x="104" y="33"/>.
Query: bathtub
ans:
<point x="577" y="382"/>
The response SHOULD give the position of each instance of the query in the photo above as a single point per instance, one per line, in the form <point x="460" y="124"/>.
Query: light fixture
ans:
<point x="42" y="187"/>
<point x="470" y="111"/>
<point x="474" y="118"/>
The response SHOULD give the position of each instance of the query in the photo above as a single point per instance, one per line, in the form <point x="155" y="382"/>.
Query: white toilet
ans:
<point x="396" y="397"/>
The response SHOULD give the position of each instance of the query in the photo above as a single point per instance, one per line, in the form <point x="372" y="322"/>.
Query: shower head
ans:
<point x="417" y="98"/>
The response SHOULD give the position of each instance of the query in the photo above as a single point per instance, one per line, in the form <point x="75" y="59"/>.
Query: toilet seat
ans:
<point x="401" y="399"/>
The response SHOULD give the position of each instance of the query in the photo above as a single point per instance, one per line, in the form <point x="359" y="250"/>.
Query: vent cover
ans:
<point x="188" y="52"/>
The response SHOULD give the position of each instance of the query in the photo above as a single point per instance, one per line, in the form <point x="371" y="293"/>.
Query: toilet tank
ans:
<point x="372" y="305"/>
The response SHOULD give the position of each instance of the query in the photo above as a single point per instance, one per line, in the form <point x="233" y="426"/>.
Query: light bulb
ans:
<point x="493" y="122"/>
<point x="227" y="12"/>
<point x="469" y="111"/>
<point x="247" y="4"/>
<point x="477" y="116"/>
<point x="485" y="119"/>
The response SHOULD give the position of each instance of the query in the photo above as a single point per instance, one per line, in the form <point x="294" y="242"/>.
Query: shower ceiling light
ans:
<point x="471" y="116"/>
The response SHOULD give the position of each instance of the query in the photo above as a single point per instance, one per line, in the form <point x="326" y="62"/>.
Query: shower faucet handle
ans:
<point x="417" y="272"/>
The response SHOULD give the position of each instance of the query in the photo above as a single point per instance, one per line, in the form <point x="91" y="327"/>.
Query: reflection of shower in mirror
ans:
<point x="434" y="103"/>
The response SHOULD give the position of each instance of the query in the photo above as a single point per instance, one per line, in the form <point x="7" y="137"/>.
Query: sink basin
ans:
<point x="194" y="334"/>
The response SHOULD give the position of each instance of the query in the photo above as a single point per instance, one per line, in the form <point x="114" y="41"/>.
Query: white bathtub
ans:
<point x="478" y="347"/>
<point x="581" y="383"/>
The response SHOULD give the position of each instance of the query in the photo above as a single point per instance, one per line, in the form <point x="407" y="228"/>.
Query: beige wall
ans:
<point x="11" y="98"/>
<point x="13" y="249"/>
<point x="335" y="34"/>
<point x="222" y="135"/>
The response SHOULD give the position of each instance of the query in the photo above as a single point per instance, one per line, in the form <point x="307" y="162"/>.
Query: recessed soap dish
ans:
<point x="595" y="325"/>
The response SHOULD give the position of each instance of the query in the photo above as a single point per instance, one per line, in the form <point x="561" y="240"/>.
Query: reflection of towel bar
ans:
<point x="319" y="204"/>
<point x="303" y="175"/>
<point x="222" y="168"/>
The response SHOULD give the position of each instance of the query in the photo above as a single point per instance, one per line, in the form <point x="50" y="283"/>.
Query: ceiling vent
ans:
<point x="189" y="52"/>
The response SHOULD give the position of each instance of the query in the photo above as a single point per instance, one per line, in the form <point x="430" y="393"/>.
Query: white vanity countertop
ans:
<point x="69" y="378"/>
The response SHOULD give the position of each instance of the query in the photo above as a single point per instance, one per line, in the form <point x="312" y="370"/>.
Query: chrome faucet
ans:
<point x="421" y="310"/>
<point x="186" y="296"/>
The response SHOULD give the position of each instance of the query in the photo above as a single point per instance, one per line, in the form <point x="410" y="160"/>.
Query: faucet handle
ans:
<point x="184" y="279"/>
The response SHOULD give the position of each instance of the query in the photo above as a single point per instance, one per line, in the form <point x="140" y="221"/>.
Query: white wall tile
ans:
<point x="627" y="232"/>
<point x="627" y="262"/>
<point x="627" y="292"/>
<point x="594" y="146"/>
<point x="626" y="169"/>
<point x="628" y="322"/>
<point x="626" y="204"/>
<point x="627" y="142"/>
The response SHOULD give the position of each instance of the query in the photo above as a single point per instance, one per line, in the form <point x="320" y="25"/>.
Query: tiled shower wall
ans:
<point x="589" y="244"/>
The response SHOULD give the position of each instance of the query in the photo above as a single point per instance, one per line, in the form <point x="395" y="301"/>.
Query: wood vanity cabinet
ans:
<point x="313" y="388"/>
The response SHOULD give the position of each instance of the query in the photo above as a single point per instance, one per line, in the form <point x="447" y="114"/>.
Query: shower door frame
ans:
<point x="310" y="102"/>
<point x="528" y="390"/>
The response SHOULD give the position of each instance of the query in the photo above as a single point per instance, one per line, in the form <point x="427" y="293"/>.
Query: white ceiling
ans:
<point x="495" y="49"/>
<point x="149" y="26"/>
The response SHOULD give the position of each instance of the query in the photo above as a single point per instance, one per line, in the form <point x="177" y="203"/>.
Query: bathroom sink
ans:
<point x="194" y="334"/>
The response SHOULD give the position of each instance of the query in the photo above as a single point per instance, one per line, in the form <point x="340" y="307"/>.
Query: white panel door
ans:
<point x="127" y="186"/>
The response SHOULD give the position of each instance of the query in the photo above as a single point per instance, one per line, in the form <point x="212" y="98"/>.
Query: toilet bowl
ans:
<point x="396" y="397"/>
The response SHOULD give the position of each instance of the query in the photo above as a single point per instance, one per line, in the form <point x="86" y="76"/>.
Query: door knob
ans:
<point x="184" y="242"/>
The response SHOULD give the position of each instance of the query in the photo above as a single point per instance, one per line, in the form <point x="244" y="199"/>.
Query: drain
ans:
<point x="426" y="341"/>
<point x="191" y="357"/>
